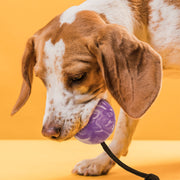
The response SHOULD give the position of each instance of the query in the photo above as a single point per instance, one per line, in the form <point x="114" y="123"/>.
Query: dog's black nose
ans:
<point x="52" y="132"/>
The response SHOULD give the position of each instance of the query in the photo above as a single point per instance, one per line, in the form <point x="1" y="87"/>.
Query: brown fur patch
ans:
<point x="52" y="101"/>
<point x="176" y="3"/>
<point x="141" y="11"/>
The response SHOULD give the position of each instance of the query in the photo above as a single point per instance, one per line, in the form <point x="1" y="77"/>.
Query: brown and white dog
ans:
<point x="100" y="46"/>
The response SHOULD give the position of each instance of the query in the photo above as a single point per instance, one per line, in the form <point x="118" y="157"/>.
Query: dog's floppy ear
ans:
<point x="131" y="68"/>
<point x="28" y="62"/>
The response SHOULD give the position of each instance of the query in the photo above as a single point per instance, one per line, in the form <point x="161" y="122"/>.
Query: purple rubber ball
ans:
<point x="101" y="124"/>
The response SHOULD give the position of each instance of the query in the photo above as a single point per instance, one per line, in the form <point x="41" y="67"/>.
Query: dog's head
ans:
<point x="78" y="62"/>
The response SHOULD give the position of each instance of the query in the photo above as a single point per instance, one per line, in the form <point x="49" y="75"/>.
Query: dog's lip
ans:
<point x="59" y="138"/>
<point x="67" y="136"/>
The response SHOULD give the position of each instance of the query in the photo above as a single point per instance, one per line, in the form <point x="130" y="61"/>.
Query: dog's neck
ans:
<point x="115" y="11"/>
<point x="121" y="12"/>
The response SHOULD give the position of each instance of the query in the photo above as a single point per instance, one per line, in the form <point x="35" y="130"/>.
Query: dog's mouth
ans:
<point x="67" y="130"/>
<point x="67" y="133"/>
<point x="69" y="124"/>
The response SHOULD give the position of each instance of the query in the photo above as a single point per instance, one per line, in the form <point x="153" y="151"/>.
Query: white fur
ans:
<point x="51" y="53"/>
<point x="163" y="23"/>
<point x="164" y="32"/>
<point x="121" y="13"/>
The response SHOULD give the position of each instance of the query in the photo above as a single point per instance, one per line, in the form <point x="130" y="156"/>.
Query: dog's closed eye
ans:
<point x="78" y="78"/>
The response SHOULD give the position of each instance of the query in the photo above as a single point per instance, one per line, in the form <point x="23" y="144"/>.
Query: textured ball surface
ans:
<point x="101" y="124"/>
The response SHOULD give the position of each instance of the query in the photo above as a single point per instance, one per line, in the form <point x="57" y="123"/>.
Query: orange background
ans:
<point x="19" y="19"/>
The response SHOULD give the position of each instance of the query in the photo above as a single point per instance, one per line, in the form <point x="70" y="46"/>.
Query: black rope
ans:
<point x="124" y="166"/>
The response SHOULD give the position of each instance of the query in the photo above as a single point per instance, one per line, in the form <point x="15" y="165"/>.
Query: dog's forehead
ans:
<point x="84" y="23"/>
<point x="57" y="40"/>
